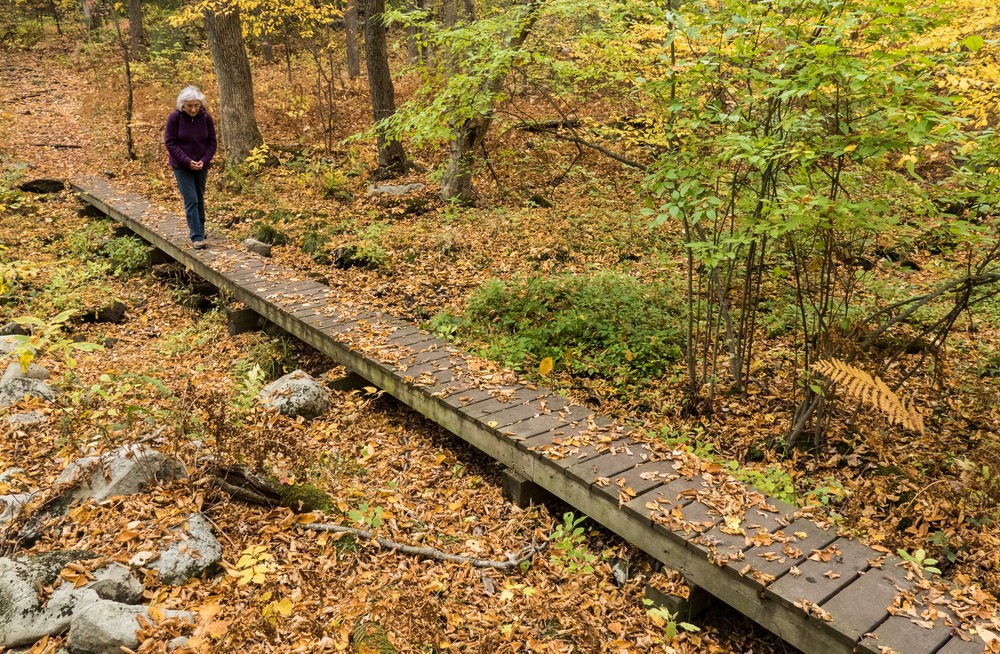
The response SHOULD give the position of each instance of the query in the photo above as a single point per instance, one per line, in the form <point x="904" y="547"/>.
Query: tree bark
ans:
<point x="468" y="136"/>
<point x="238" y="125"/>
<point x="391" y="157"/>
<point x="351" y="38"/>
<point x="136" y="33"/>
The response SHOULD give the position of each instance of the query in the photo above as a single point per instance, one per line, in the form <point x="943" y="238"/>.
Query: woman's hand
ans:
<point x="197" y="165"/>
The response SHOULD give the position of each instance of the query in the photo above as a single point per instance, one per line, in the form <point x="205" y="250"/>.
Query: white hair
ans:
<point x="188" y="94"/>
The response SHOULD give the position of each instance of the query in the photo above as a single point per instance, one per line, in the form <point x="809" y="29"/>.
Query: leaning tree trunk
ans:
<point x="391" y="158"/>
<point x="237" y="123"/>
<point x="468" y="136"/>
<point x="136" y="34"/>
<point x="351" y="38"/>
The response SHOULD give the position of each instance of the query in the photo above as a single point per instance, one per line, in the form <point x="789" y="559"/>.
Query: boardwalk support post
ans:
<point x="522" y="492"/>
<point x="684" y="608"/>
<point x="155" y="256"/>
<point x="239" y="321"/>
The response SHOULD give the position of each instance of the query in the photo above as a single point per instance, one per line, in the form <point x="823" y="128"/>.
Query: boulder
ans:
<point x="114" y="313"/>
<point x="195" y="552"/>
<point x="9" y="343"/>
<point x="393" y="191"/>
<point x="129" y="469"/>
<point x="12" y="505"/>
<point x="42" y="186"/>
<point x="23" y="618"/>
<point x="296" y="394"/>
<point x="14" y="390"/>
<point x="105" y="627"/>
<point x="257" y="247"/>
<point x="13" y="329"/>
<point x="26" y="419"/>
<point x="34" y="371"/>
<point x="115" y="582"/>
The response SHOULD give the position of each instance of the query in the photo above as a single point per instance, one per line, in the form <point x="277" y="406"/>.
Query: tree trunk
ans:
<point x="351" y="37"/>
<point x="136" y="34"/>
<point x="470" y="135"/>
<point x="238" y="125"/>
<point x="391" y="158"/>
<point x="468" y="138"/>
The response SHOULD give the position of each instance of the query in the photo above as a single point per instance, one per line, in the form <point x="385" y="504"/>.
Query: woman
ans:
<point x="190" y="140"/>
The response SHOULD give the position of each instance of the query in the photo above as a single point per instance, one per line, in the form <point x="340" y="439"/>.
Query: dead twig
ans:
<point x="513" y="560"/>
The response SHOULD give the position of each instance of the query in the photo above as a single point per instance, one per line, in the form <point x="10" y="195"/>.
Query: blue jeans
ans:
<point x="192" y="186"/>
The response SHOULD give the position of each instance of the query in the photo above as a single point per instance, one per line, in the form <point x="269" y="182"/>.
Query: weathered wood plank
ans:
<point x="864" y="604"/>
<point x="902" y="635"/>
<point x="958" y="646"/>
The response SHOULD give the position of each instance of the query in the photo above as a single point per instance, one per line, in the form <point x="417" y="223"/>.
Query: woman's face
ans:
<point x="191" y="107"/>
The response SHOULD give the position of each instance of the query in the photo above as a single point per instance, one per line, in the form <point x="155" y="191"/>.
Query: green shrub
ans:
<point x="127" y="255"/>
<point x="599" y="325"/>
<point x="334" y="185"/>
<point x="267" y="233"/>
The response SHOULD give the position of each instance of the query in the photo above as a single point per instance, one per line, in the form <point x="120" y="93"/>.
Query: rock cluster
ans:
<point x="104" y="614"/>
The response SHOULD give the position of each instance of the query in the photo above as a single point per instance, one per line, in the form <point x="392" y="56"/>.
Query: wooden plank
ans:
<point x="645" y="477"/>
<point x="901" y="635"/>
<point x="615" y="462"/>
<point x="666" y="496"/>
<point x="790" y="547"/>
<point x="864" y="604"/>
<point x="819" y="580"/>
<point x="958" y="646"/>
<point x="547" y="425"/>
<point x="466" y="398"/>
<point x="721" y="544"/>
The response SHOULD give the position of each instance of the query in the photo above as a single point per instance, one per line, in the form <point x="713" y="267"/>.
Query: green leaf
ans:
<point x="973" y="42"/>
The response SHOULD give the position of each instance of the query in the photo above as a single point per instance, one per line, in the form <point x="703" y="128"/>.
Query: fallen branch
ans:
<point x="547" y="125"/>
<point x="513" y="560"/>
<point x="56" y="145"/>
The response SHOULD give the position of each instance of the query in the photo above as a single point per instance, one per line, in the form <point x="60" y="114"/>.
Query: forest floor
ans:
<point x="902" y="490"/>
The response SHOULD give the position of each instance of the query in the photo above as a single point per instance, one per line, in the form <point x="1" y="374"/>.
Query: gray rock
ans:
<point x="9" y="343"/>
<point x="257" y="247"/>
<point x="394" y="191"/>
<point x="115" y="582"/>
<point x="9" y="473"/>
<point x="12" y="505"/>
<point x="26" y="419"/>
<point x="296" y="394"/>
<point x="105" y="627"/>
<point x="129" y="469"/>
<point x="13" y="329"/>
<point x="14" y="390"/>
<point x="23" y="619"/>
<point x="34" y="371"/>
<point x="177" y="643"/>
<point x="198" y="551"/>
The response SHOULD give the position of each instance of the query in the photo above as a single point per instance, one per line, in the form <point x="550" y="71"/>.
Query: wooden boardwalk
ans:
<point x="818" y="591"/>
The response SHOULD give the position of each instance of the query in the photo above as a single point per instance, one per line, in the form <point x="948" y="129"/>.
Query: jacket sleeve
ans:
<point x="212" y="143"/>
<point x="170" y="140"/>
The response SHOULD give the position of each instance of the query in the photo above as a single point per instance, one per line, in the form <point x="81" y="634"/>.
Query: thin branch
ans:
<point x="513" y="560"/>
<point x="579" y="141"/>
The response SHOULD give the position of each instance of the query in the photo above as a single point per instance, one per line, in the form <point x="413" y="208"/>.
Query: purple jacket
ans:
<point x="189" y="138"/>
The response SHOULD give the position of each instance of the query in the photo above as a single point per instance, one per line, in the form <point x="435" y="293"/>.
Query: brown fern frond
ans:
<point x="872" y="391"/>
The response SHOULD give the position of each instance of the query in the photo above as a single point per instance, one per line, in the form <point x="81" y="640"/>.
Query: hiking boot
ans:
<point x="199" y="245"/>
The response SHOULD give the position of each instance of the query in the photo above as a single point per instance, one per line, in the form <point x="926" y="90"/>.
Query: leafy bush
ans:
<point x="127" y="255"/>
<point x="334" y="185"/>
<point x="599" y="325"/>
<point x="268" y="233"/>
